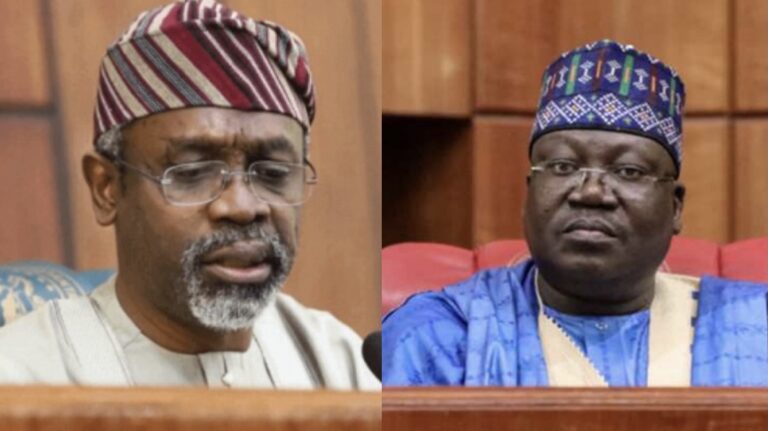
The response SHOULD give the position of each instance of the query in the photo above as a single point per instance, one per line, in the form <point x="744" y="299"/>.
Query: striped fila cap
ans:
<point x="200" y="53"/>
<point x="609" y="86"/>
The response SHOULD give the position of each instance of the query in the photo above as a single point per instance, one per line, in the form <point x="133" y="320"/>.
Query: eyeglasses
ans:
<point x="277" y="183"/>
<point x="568" y="174"/>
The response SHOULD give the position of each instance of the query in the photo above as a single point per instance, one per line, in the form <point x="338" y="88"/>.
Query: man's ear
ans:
<point x="679" y="199"/>
<point x="103" y="180"/>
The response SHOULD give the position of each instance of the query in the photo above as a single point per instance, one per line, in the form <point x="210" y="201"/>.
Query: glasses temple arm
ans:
<point x="147" y="175"/>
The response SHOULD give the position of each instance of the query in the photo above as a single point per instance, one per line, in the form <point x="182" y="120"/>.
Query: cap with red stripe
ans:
<point x="200" y="53"/>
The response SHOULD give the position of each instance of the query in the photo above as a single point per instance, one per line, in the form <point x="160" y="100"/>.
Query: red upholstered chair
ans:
<point x="501" y="253"/>
<point x="745" y="260"/>
<point x="408" y="268"/>
<point x="692" y="257"/>
<point x="413" y="267"/>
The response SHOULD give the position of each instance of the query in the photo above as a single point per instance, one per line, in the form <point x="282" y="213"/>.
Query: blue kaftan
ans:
<point x="484" y="332"/>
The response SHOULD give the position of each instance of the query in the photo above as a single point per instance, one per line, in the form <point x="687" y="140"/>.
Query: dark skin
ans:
<point x="152" y="234"/>
<point x="609" y="271"/>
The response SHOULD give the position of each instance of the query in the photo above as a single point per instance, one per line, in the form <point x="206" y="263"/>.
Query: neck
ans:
<point x="596" y="298"/>
<point x="173" y="334"/>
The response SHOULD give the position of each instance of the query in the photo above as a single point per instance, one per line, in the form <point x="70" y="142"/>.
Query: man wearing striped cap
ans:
<point x="591" y="306"/>
<point x="201" y="139"/>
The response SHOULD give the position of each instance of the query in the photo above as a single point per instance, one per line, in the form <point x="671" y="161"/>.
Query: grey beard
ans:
<point x="224" y="306"/>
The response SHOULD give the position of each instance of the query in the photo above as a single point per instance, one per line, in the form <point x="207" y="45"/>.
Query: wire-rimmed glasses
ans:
<point x="277" y="183"/>
<point x="569" y="174"/>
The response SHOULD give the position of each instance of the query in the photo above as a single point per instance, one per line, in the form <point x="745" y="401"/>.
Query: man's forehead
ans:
<point x="208" y="128"/>
<point x="591" y="136"/>
<point x="609" y="143"/>
<point x="222" y="144"/>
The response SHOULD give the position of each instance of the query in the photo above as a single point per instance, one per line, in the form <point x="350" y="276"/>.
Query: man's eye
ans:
<point x="272" y="172"/>
<point x="562" y="168"/>
<point x="629" y="173"/>
<point x="189" y="174"/>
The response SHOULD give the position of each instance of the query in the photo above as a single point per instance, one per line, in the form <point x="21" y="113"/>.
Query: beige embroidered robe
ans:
<point x="91" y="341"/>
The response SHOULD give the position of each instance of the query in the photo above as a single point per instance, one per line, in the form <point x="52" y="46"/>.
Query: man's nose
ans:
<point x="238" y="203"/>
<point x="593" y="188"/>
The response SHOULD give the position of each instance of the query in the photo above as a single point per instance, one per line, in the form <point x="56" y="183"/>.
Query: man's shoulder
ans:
<point x="716" y="292"/>
<point x="29" y="349"/>
<point x="333" y="347"/>
<point x="729" y="283"/>
<point x="456" y="302"/>
<point x="424" y="309"/>
<point x="28" y="331"/>
<point x="419" y="323"/>
<point x="441" y="320"/>
<point x="425" y="340"/>
<point x="294" y="312"/>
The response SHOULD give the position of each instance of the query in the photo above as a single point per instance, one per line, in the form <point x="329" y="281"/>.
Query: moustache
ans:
<point x="262" y="245"/>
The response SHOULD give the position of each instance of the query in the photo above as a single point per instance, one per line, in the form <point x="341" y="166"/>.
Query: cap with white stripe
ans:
<point x="200" y="53"/>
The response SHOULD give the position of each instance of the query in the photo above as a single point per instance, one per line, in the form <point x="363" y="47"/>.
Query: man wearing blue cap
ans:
<point x="591" y="307"/>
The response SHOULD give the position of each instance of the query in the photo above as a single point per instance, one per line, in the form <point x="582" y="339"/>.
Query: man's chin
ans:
<point x="587" y="265"/>
<point x="231" y="307"/>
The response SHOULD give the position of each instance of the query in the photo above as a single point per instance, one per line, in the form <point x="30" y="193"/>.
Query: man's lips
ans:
<point x="589" y="229"/>
<point x="258" y="273"/>
<point x="240" y="262"/>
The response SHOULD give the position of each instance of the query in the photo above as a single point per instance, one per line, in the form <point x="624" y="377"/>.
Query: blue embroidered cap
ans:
<point x="609" y="86"/>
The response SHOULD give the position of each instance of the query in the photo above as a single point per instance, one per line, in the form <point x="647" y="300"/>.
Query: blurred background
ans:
<point x="460" y="86"/>
<point x="52" y="50"/>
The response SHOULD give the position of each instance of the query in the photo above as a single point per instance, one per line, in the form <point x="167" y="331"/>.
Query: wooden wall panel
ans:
<point x="517" y="40"/>
<point x="82" y="31"/>
<point x="427" y="57"/>
<point x="707" y="177"/>
<point x="750" y="178"/>
<point x="751" y="43"/>
<point x="505" y="79"/>
<point x="30" y="211"/>
<point x="24" y="71"/>
<point x="338" y="263"/>
<point x="500" y="166"/>
<point x="689" y="35"/>
<point x="427" y="194"/>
